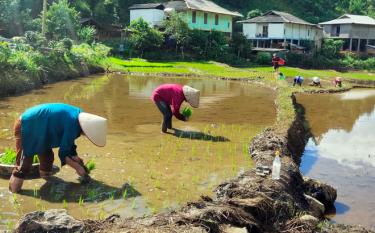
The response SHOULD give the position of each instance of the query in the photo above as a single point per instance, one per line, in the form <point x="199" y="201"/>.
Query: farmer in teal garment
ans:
<point x="47" y="126"/>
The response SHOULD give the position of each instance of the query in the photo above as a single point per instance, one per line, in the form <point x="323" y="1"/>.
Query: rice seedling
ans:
<point x="101" y="214"/>
<point x="65" y="204"/>
<point x="112" y="196"/>
<point x="90" y="165"/>
<point x="15" y="199"/>
<point x="35" y="192"/>
<point x="134" y="204"/>
<point x="125" y="194"/>
<point x="80" y="201"/>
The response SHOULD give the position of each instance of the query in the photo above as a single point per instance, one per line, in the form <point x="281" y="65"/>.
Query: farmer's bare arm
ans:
<point x="77" y="164"/>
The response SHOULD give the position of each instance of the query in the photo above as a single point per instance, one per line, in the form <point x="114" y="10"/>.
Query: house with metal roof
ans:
<point x="199" y="14"/>
<point x="357" y="32"/>
<point x="276" y="31"/>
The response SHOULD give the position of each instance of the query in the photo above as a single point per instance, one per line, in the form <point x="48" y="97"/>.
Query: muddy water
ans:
<point x="341" y="151"/>
<point x="141" y="171"/>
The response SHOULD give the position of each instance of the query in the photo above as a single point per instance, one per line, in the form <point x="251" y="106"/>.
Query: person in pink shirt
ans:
<point x="169" y="97"/>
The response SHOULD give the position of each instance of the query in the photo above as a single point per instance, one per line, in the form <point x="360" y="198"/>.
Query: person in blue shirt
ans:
<point x="46" y="126"/>
<point x="298" y="80"/>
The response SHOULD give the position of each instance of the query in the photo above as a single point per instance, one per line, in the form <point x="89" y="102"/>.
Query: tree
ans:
<point x="331" y="48"/>
<point x="240" y="45"/>
<point x="254" y="13"/>
<point x="177" y="30"/>
<point x="62" y="21"/>
<point x="144" y="38"/>
<point x="15" y="20"/>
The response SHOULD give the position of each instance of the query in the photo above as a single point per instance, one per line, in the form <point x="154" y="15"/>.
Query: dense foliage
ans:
<point x="16" y="15"/>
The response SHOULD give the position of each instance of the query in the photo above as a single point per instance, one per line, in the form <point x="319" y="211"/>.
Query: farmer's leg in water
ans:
<point x="46" y="164"/>
<point x="165" y="109"/>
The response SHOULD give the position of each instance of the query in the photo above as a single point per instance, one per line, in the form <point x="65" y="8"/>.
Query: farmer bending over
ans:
<point x="338" y="82"/>
<point x="316" y="82"/>
<point x="172" y="95"/>
<point x="47" y="126"/>
<point x="298" y="80"/>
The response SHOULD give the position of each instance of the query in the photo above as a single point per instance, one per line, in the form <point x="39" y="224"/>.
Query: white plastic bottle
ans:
<point x="276" y="166"/>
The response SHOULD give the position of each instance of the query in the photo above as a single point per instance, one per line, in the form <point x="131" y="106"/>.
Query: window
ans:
<point x="338" y="30"/>
<point x="216" y="19"/>
<point x="308" y="32"/>
<point x="194" y="17"/>
<point x="205" y="18"/>
<point x="228" y="24"/>
<point x="265" y="31"/>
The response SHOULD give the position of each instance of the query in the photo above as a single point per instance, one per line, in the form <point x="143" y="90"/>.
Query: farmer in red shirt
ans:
<point x="172" y="95"/>
<point x="275" y="62"/>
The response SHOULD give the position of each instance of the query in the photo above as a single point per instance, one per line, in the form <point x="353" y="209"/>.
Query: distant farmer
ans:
<point x="338" y="82"/>
<point x="275" y="62"/>
<point x="298" y="80"/>
<point x="281" y="76"/>
<point x="46" y="126"/>
<point x="316" y="82"/>
<point x="169" y="97"/>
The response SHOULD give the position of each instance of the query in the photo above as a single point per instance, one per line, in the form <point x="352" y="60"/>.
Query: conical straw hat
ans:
<point x="192" y="96"/>
<point x="94" y="127"/>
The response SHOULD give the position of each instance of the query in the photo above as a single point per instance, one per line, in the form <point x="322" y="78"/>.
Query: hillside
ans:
<point x="16" y="15"/>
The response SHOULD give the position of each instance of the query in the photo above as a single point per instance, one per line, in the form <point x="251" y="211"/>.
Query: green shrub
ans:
<point x="87" y="34"/>
<point x="264" y="58"/>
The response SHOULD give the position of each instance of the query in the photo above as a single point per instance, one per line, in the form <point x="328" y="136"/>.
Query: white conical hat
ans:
<point x="192" y="96"/>
<point x="94" y="127"/>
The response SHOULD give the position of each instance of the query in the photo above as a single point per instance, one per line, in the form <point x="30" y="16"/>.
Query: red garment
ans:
<point x="171" y="94"/>
<point x="275" y="61"/>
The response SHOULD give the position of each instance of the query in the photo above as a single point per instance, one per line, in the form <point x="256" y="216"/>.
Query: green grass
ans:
<point x="201" y="68"/>
<point x="209" y="68"/>
<point x="325" y="74"/>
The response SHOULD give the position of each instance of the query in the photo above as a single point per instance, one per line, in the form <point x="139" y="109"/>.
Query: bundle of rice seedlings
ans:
<point x="187" y="112"/>
<point x="9" y="157"/>
<point x="90" y="165"/>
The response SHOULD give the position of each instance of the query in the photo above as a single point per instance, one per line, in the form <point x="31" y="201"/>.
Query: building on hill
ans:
<point x="199" y="14"/>
<point x="357" y="32"/>
<point x="277" y="31"/>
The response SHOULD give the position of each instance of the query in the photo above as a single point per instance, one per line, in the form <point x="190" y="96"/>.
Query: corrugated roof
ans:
<point x="208" y="6"/>
<point x="199" y="5"/>
<point x="147" y="6"/>
<point x="277" y="17"/>
<point x="177" y="5"/>
<point x="351" y="19"/>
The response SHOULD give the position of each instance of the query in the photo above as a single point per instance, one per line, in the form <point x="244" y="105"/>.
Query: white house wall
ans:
<point x="276" y="30"/>
<point x="249" y="30"/>
<point x="152" y="16"/>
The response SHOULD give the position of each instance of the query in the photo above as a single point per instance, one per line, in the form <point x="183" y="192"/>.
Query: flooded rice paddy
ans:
<point x="342" y="152"/>
<point x="141" y="171"/>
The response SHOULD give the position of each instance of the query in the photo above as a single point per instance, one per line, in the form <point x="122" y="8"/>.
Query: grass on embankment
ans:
<point x="189" y="68"/>
<point x="222" y="70"/>
<point x="324" y="74"/>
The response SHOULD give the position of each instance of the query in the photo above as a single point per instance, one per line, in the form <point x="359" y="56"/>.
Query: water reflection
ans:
<point x="341" y="151"/>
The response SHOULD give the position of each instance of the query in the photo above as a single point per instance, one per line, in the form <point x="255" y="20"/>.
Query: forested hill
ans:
<point x="18" y="15"/>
